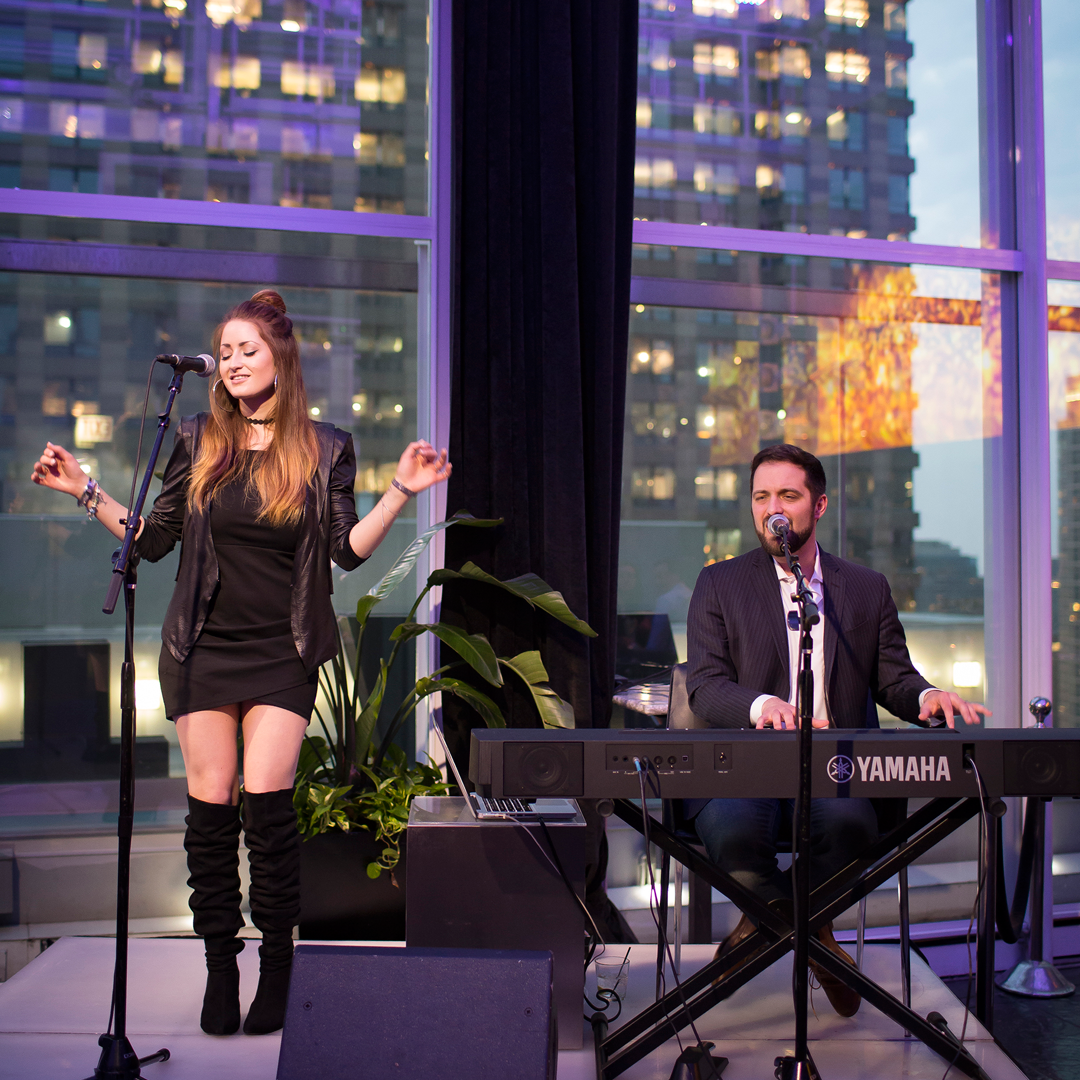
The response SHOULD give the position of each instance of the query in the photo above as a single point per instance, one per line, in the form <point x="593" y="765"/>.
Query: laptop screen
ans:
<point x="644" y="642"/>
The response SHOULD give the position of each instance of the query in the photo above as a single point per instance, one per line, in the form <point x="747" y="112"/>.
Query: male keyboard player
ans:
<point x="742" y="668"/>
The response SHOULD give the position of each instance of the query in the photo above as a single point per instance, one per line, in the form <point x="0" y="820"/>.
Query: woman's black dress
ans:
<point x="246" y="650"/>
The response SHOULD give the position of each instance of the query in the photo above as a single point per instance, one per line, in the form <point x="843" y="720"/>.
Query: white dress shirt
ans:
<point x="786" y="580"/>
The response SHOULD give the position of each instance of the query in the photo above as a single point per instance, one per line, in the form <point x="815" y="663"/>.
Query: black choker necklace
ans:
<point x="252" y="420"/>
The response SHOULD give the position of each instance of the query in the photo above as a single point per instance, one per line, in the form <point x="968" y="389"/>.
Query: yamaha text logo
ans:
<point x="841" y="769"/>
<point x="886" y="769"/>
<point x="927" y="770"/>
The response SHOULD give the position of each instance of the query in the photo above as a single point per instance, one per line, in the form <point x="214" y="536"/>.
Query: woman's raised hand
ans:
<point x="420" y="466"/>
<point x="58" y="469"/>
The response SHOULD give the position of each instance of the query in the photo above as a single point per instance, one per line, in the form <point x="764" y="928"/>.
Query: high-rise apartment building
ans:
<point x="232" y="101"/>
<point x="1066" y="583"/>
<point x="172" y="157"/>
<point x="784" y="115"/>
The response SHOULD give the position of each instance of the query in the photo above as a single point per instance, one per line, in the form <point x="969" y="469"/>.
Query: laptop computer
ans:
<point x="487" y="809"/>
<point x="644" y="645"/>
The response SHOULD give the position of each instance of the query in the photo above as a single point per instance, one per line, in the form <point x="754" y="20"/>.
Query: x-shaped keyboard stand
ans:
<point x="618" y="1049"/>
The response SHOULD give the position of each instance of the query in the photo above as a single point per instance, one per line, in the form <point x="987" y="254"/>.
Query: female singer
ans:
<point x="261" y="498"/>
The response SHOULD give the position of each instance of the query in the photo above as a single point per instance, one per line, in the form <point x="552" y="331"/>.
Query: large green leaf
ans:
<point x="469" y="694"/>
<point x="554" y="711"/>
<point x="530" y="588"/>
<point x="474" y="649"/>
<point x="314" y="758"/>
<point x="407" y="560"/>
<point x="365" y="725"/>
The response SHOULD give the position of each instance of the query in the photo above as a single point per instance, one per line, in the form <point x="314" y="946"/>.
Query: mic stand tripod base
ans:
<point x="118" y="1060"/>
<point x="788" y="1068"/>
<point x="697" y="1063"/>
<point x="1036" y="978"/>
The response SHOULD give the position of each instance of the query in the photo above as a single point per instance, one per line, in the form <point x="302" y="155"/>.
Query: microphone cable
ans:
<point x="596" y="938"/>
<point x="981" y="883"/>
<point x="138" y="449"/>
<point x="645" y="768"/>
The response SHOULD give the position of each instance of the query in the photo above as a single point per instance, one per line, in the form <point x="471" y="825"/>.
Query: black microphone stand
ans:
<point x="118" y="1060"/>
<point x="801" y="1066"/>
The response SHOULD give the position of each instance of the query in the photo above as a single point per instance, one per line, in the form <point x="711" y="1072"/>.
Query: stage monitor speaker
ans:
<point x="1045" y="767"/>
<point x="455" y="1014"/>
<point x="544" y="769"/>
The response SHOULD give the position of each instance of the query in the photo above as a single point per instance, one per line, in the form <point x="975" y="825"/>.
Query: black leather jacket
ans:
<point x="324" y="535"/>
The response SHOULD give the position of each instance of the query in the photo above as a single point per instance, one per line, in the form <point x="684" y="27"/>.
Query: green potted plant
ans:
<point x="354" y="785"/>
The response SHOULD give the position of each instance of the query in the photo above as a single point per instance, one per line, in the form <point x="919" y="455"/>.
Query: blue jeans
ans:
<point x="741" y="837"/>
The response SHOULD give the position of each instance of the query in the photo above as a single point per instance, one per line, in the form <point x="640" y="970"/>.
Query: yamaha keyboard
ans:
<point x="745" y="763"/>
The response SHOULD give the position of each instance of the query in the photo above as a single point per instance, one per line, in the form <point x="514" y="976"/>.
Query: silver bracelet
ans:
<point x="403" y="489"/>
<point x="90" y="499"/>
<point x="382" y="514"/>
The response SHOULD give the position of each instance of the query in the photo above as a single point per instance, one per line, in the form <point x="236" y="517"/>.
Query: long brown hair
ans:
<point x="282" y="472"/>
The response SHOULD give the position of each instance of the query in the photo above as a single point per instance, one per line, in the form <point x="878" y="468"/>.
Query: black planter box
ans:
<point x="338" y="901"/>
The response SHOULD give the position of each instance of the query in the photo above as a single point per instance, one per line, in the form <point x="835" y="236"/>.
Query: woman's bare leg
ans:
<point x="208" y="743"/>
<point x="272" y="739"/>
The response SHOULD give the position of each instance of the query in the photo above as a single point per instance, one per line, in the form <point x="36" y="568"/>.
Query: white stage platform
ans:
<point x="52" y="1011"/>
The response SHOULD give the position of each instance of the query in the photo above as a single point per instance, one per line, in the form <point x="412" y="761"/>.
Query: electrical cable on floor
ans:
<point x="644" y="768"/>
<point x="984" y="826"/>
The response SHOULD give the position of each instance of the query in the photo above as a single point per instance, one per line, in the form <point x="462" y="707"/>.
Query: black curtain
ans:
<point x="544" y="117"/>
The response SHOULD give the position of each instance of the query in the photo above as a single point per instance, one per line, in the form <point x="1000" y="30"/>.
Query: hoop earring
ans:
<point x="231" y="406"/>
<point x="275" y="382"/>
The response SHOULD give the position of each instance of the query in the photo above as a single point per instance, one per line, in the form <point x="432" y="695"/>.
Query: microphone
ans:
<point x="202" y="365"/>
<point x="778" y="525"/>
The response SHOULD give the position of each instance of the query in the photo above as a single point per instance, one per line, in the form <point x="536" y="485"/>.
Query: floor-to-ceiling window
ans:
<point x="840" y="244"/>
<point x="160" y="161"/>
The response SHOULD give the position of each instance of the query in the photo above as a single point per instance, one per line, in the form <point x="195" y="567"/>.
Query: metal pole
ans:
<point x="984" y="945"/>
<point x="801" y="1066"/>
<point x="1036" y="976"/>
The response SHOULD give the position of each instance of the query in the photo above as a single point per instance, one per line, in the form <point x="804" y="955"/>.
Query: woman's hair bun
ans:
<point x="269" y="296"/>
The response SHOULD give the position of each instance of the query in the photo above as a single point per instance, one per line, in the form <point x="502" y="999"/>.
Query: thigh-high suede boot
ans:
<point x="212" y="842"/>
<point x="273" y="845"/>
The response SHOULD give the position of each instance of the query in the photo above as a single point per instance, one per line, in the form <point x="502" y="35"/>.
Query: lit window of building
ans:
<point x="847" y="67"/>
<point x="773" y="10"/>
<point x="794" y="123"/>
<point x="767" y="64"/>
<point x="718" y="9"/>
<point x="849" y="12"/>
<point x="716" y="59"/>
<point x="896" y="75"/>
<point x="794" y="62"/>
<point x="767" y="124"/>
<point x="716" y="119"/>
<point x="372" y="84"/>
<point x="895" y="17"/>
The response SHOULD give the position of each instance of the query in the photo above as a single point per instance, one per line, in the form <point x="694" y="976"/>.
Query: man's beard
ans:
<point x="771" y="542"/>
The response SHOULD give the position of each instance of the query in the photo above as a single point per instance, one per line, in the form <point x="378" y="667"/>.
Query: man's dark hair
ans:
<point x="793" y="455"/>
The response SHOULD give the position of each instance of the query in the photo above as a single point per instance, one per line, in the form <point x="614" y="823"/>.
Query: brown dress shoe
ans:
<point x="742" y="931"/>
<point x="841" y="997"/>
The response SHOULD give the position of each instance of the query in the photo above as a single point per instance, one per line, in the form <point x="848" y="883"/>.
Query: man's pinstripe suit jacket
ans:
<point x="737" y="643"/>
